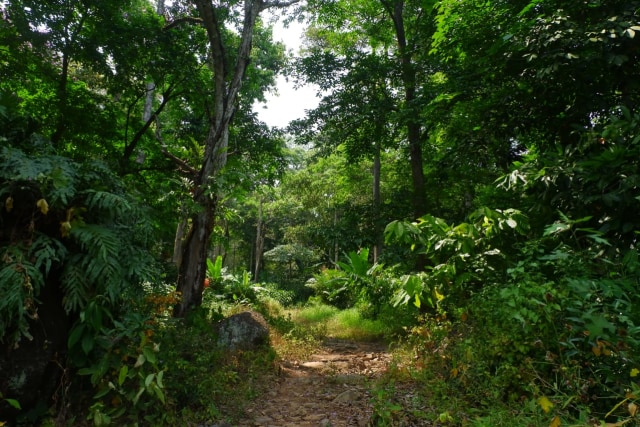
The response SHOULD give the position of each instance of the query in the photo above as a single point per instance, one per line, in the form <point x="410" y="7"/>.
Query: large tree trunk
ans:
<point x="193" y="266"/>
<point x="227" y="82"/>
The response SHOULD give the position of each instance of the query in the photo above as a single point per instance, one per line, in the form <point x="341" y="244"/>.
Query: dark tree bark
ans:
<point x="413" y="126"/>
<point x="227" y="82"/>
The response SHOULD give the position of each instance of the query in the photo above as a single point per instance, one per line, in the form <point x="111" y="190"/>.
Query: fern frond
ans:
<point x="97" y="240"/>
<point x="140" y="265"/>
<point x="116" y="205"/>
<point x="56" y="175"/>
<point x="46" y="251"/>
<point x="75" y="285"/>
<point x="97" y="175"/>
<point x="106" y="275"/>
<point x="20" y="283"/>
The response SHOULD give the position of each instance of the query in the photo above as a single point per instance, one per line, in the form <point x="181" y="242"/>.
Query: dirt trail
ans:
<point x="329" y="389"/>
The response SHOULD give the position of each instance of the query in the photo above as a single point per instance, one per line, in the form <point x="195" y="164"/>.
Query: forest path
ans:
<point x="332" y="388"/>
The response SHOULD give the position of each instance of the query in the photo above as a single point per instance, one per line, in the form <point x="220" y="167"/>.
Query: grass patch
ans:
<point x="316" y="313"/>
<point x="343" y="324"/>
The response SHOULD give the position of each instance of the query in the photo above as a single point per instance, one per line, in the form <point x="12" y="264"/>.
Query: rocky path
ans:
<point x="329" y="389"/>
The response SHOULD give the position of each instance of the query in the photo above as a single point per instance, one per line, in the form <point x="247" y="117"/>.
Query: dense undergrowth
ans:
<point x="516" y="316"/>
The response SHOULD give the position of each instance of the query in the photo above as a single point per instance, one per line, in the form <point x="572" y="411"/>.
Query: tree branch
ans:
<point x="183" y="166"/>
<point x="183" y="20"/>
<point x="278" y="4"/>
<point x="136" y="138"/>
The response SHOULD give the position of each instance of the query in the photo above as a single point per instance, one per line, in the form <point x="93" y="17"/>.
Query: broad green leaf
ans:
<point x="159" y="379"/>
<point x="124" y="370"/>
<point x="556" y="228"/>
<point x="158" y="392"/>
<point x="13" y="403"/>
<point x="75" y="335"/>
<point x="149" y="379"/>
<point x="149" y="354"/>
<point x="87" y="343"/>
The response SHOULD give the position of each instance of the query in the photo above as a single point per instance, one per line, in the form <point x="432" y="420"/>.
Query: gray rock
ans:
<point x="243" y="331"/>
<point x="347" y="396"/>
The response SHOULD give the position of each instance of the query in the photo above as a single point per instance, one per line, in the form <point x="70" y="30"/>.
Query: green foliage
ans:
<point x="120" y="357"/>
<point x="66" y="224"/>
<point x="460" y="257"/>
<point x="273" y="291"/>
<point x="288" y="265"/>
<point x="201" y="380"/>
<point x="214" y="270"/>
<point x="331" y="286"/>
<point x="357" y="265"/>
<point x="557" y="328"/>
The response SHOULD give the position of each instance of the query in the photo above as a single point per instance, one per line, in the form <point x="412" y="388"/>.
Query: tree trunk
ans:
<point x="259" y="243"/>
<point x="193" y="268"/>
<point x="417" y="173"/>
<point x="413" y="125"/>
<point x="377" y="229"/>
<point x="70" y="37"/>
<point x="151" y="86"/>
<point x="178" y="242"/>
<point x="227" y="82"/>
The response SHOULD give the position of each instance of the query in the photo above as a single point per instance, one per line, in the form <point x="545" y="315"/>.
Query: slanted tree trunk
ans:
<point x="227" y="82"/>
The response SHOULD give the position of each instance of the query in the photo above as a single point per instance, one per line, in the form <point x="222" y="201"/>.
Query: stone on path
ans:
<point x="347" y="396"/>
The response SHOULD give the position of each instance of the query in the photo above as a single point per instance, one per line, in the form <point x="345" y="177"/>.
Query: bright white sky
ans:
<point x="289" y="103"/>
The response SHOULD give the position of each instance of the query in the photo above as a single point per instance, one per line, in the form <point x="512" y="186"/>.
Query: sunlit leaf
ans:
<point x="140" y="361"/>
<point x="545" y="403"/>
<point x="123" y="374"/>
<point x="43" y="206"/>
<point x="65" y="228"/>
<point x="149" y="379"/>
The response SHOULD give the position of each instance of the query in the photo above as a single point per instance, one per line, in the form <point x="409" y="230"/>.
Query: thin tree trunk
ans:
<point x="413" y="126"/>
<point x="259" y="243"/>
<point x="377" y="248"/>
<point x="63" y="95"/>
